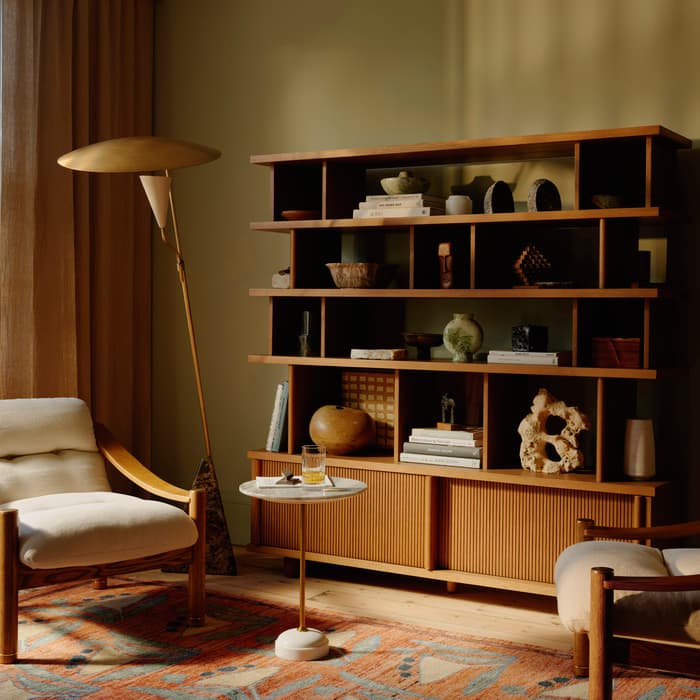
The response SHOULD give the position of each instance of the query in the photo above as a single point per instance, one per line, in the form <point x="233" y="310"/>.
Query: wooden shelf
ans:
<point x="529" y="147"/>
<point x="653" y="214"/>
<point x="459" y="367"/>
<point x="513" y="293"/>
<point x="522" y="477"/>
<point x="500" y="525"/>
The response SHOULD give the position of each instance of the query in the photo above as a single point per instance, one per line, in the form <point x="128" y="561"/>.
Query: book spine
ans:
<point x="528" y="354"/>
<point x="427" y="448"/>
<point x="441" y="460"/>
<point x="452" y="434"/>
<point x="414" y="198"/>
<point x="455" y="442"/>
<point x="274" y="418"/>
<point x="281" y="417"/>
<point x="526" y="360"/>
<point x="392" y="211"/>
<point x="393" y="204"/>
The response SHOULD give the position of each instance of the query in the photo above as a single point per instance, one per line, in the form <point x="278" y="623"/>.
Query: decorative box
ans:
<point x="529" y="338"/>
<point x="616" y="352"/>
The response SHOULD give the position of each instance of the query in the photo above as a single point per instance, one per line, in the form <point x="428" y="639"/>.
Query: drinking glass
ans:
<point x="313" y="464"/>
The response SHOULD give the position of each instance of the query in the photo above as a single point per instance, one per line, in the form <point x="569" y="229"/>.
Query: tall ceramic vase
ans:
<point x="640" y="457"/>
<point x="462" y="337"/>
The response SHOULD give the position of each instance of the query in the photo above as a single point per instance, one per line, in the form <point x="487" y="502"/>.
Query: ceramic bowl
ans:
<point x="422" y="342"/>
<point x="361" y="275"/>
<point x="405" y="183"/>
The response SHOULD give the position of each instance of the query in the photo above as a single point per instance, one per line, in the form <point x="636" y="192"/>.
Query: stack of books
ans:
<point x="386" y="205"/>
<point x="526" y="357"/>
<point x="453" y="448"/>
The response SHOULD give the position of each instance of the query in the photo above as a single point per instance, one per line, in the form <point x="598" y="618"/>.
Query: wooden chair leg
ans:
<point x="9" y="594"/>
<point x="600" y="636"/>
<point x="197" y="569"/>
<point x="581" y="651"/>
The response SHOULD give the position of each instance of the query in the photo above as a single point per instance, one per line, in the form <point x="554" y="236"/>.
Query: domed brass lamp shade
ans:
<point x="137" y="154"/>
<point x="146" y="154"/>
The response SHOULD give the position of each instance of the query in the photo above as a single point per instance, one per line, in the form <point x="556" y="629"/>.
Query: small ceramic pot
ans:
<point x="458" y="204"/>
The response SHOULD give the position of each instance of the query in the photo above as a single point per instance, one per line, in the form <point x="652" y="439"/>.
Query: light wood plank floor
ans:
<point x="480" y="612"/>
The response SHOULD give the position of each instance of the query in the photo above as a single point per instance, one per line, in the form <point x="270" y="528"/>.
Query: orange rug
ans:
<point x="131" y="641"/>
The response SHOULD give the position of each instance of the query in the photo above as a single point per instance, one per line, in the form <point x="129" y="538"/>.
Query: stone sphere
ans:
<point x="341" y="429"/>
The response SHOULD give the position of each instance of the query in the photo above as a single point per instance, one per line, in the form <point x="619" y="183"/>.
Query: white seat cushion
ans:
<point x="77" y="529"/>
<point x="572" y="574"/>
<point x="682" y="562"/>
<point x="672" y="616"/>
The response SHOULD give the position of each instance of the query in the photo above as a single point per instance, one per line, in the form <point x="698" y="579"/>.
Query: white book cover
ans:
<point x="554" y="361"/>
<point x="274" y="418"/>
<point x="470" y="433"/>
<point x="394" y="212"/>
<point x="527" y="353"/>
<point x="430" y="448"/>
<point x="281" y="417"/>
<point x="443" y="460"/>
<point x="452" y="442"/>
<point x="530" y="358"/>
<point x="411" y="199"/>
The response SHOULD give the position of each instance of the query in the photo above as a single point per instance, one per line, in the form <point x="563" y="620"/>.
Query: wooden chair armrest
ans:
<point x="590" y="531"/>
<point x="690" y="582"/>
<point x="134" y="470"/>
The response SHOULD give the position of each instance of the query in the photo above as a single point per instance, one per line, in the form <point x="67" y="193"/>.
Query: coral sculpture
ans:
<point x="535" y="438"/>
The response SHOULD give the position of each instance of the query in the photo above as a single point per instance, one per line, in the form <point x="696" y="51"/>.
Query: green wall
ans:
<point x="266" y="76"/>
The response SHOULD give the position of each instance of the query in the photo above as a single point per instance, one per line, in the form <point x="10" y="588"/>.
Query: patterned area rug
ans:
<point x="131" y="641"/>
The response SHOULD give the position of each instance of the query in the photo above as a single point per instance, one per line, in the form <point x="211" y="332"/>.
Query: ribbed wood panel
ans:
<point x="517" y="531"/>
<point x="387" y="523"/>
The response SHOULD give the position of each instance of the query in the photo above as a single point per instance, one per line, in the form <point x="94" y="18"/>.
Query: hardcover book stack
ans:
<point x="526" y="357"/>
<point x="452" y="448"/>
<point x="386" y="205"/>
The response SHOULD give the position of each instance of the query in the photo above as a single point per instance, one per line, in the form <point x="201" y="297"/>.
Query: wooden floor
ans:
<point x="480" y="612"/>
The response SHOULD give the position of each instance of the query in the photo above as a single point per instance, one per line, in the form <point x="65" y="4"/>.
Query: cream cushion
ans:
<point x="682" y="562"/>
<point x="48" y="446"/>
<point x="30" y="426"/>
<point x="672" y="616"/>
<point x="52" y="472"/>
<point x="77" y="529"/>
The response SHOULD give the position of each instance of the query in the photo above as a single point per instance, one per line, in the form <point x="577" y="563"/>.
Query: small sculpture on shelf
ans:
<point x="535" y="438"/>
<point x="543" y="196"/>
<point x="445" y="259"/>
<point x="448" y="409"/>
<point x="530" y="266"/>
<point x="304" y="344"/>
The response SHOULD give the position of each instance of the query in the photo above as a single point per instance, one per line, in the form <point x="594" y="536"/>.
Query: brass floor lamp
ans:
<point x="148" y="154"/>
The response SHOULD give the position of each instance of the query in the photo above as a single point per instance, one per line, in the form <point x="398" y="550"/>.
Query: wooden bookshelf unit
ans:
<point x="500" y="525"/>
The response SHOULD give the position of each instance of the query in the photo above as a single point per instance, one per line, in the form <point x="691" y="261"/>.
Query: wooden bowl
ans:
<point x="361" y="275"/>
<point x="422" y="342"/>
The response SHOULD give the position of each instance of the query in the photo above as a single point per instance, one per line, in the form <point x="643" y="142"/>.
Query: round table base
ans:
<point x="301" y="645"/>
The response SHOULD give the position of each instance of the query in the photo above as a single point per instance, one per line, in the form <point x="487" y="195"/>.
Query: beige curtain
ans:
<point x="75" y="248"/>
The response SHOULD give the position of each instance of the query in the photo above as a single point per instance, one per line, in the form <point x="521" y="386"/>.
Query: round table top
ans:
<point x="343" y="488"/>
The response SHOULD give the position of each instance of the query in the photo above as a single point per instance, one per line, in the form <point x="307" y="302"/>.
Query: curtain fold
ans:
<point x="75" y="248"/>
